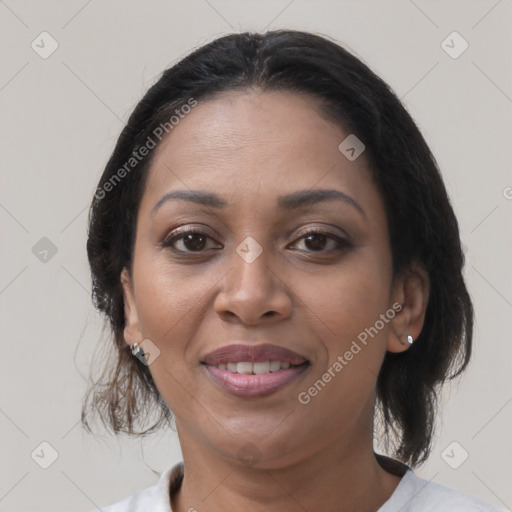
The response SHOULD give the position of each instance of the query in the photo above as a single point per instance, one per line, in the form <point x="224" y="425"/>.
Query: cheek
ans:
<point x="168" y="306"/>
<point x="351" y="297"/>
<point x="172" y="302"/>
<point x="348" y="306"/>
<point x="164" y="298"/>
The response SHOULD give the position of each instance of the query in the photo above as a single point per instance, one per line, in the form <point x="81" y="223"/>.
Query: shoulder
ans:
<point x="151" y="499"/>
<point x="145" y="500"/>
<point x="438" y="496"/>
<point x="137" y="502"/>
<point x="416" y="494"/>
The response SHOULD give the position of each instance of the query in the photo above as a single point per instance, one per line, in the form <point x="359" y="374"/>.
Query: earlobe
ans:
<point x="411" y="290"/>
<point x="131" y="329"/>
<point x="398" y="342"/>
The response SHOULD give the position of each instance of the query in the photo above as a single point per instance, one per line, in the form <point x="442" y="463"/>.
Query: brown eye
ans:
<point x="187" y="240"/>
<point x="316" y="242"/>
<point x="321" y="241"/>
<point x="194" y="241"/>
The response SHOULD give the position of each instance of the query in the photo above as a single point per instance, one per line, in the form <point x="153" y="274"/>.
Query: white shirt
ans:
<point x="413" y="494"/>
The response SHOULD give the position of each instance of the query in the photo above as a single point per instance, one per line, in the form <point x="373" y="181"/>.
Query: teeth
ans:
<point x="244" y="367"/>
<point x="258" y="368"/>
<point x="275" y="366"/>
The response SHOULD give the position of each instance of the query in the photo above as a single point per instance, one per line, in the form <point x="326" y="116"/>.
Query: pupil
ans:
<point x="315" y="245"/>
<point x="194" y="246"/>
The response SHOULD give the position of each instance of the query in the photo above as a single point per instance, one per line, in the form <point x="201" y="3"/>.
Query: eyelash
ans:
<point x="180" y="233"/>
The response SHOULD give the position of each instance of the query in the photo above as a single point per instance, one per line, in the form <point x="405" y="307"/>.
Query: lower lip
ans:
<point x="250" y="386"/>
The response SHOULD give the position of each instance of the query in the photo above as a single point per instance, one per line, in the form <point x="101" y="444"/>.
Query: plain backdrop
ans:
<point x="61" y="116"/>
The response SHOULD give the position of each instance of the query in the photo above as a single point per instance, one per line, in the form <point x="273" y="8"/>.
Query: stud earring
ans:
<point x="138" y="353"/>
<point x="409" y="339"/>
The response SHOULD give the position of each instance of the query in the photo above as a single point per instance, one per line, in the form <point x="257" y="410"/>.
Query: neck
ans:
<point x="346" y="477"/>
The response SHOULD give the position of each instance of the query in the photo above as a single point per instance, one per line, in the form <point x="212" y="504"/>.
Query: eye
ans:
<point x="194" y="240"/>
<point x="316" y="240"/>
<point x="190" y="240"/>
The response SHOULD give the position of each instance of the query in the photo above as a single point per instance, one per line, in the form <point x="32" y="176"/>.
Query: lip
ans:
<point x="254" y="386"/>
<point x="238" y="352"/>
<point x="248" y="385"/>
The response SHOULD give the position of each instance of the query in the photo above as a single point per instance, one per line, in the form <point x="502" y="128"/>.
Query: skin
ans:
<point x="250" y="147"/>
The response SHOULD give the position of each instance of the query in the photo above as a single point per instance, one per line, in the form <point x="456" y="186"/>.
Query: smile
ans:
<point x="250" y="371"/>
<point x="259" y="368"/>
<point x="248" y="383"/>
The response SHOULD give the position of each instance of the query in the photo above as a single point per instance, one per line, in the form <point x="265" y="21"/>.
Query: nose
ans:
<point x="253" y="292"/>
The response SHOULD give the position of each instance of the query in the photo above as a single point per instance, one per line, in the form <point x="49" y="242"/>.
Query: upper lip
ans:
<point x="238" y="352"/>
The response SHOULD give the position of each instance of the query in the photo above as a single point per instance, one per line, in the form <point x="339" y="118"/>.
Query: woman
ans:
<point x="276" y="252"/>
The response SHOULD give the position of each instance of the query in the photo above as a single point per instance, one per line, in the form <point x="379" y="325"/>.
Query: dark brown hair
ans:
<point x="421" y="221"/>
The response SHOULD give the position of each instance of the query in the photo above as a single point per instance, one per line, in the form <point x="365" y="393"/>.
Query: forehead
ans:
<point x="249" y="145"/>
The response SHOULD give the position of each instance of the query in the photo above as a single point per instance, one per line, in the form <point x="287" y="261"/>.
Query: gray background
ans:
<point x="60" y="119"/>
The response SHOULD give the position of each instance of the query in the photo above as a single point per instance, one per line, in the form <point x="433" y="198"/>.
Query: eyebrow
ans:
<point x="289" y="202"/>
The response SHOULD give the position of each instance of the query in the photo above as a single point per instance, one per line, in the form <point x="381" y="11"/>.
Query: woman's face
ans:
<point x="312" y="276"/>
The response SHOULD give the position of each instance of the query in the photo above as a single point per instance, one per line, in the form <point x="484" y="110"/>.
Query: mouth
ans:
<point x="253" y="371"/>
<point x="257" y="368"/>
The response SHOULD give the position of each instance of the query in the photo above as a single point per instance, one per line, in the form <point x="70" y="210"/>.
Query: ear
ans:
<point x="132" y="332"/>
<point x="411" y="289"/>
